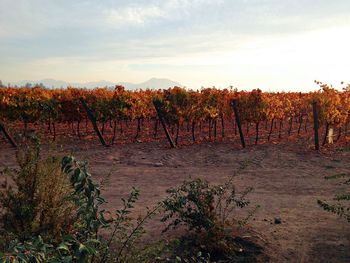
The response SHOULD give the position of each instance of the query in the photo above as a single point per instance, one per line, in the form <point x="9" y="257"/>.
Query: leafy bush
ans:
<point x="206" y="212"/>
<point x="53" y="214"/>
<point x="121" y="244"/>
<point x="199" y="258"/>
<point x="33" y="197"/>
<point x="338" y="205"/>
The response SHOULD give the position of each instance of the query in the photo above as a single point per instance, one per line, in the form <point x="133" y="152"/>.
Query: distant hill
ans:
<point x="153" y="83"/>
<point x="156" y="83"/>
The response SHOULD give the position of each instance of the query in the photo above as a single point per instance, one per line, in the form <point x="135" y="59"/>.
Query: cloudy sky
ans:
<point x="267" y="44"/>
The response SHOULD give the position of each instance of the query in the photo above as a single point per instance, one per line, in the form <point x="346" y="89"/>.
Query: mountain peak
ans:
<point x="159" y="83"/>
<point x="153" y="83"/>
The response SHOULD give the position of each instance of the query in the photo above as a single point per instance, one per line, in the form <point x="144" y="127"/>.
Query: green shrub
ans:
<point x="198" y="258"/>
<point x="34" y="197"/>
<point x="340" y="203"/>
<point x="207" y="214"/>
<point x="53" y="214"/>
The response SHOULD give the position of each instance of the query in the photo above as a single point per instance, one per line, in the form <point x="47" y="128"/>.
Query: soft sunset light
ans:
<point x="272" y="45"/>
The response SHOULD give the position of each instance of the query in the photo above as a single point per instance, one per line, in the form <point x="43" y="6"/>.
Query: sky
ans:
<point x="273" y="45"/>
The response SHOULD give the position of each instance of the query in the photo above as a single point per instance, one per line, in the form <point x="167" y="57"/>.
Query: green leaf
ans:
<point x="63" y="246"/>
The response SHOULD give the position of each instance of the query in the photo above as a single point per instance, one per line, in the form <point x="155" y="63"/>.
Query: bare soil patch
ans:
<point x="287" y="180"/>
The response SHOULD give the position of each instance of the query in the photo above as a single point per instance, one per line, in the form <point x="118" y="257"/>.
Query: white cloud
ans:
<point x="196" y="42"/>
<point x="140" y="14"/>
<point x="133" y="15"/>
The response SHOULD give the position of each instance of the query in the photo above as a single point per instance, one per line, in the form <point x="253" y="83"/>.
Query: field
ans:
<point x="154" y="140"/>
<point x="174" y="131"/>
<point x="287" y="180"/>
<point x="209" y="114"/>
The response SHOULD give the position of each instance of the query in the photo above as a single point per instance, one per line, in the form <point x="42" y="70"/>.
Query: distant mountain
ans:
<point x="153" y="83"/>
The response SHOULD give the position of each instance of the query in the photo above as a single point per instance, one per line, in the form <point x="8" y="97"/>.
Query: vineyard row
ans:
<point x="182" y="113"/>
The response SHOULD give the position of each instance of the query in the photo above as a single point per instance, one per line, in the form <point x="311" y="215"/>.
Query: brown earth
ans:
<point x="287" y="180"/>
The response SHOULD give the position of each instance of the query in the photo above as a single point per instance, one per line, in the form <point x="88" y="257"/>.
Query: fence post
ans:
<point x="316" y="125"/>
<point x="157" y="106"/>
<point x="7" y="135"/>
<point x="238" y="121"/>
<point x="93" y="121"/>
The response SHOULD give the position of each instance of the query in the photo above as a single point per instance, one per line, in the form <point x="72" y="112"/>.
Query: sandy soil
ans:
<point x="287" y="180"/>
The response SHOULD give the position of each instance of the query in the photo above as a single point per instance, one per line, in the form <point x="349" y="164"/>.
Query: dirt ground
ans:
<point x="287" y="178"/>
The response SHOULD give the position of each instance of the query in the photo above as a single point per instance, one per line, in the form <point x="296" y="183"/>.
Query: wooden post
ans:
<point x="93" y="121"/>
<point x="271" y="128"/>
<point x="8" y="137"/>
<point x="330" y="135"/>
<point x="238" y="121"/>
<point x="222" y="127"/>
<point x="326" y="134"/>
<point x="157" y="106"/>
<point x="316" y="125"/>
<point x="300" y="123"/>
<point x="193" y="131"/>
